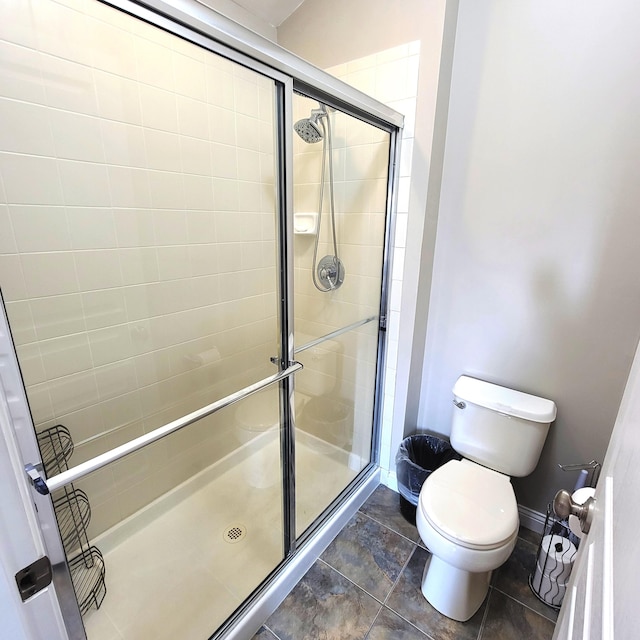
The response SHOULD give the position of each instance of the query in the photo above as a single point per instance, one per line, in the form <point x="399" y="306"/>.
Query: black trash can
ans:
<point x="417" y="457"/>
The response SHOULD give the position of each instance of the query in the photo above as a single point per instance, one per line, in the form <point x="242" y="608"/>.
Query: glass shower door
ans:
<point x="139" y="267"/>
<point x="340" y="203"/>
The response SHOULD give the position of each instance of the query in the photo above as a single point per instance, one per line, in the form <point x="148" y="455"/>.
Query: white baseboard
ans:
<point x="389" y="479"/>
<point x="530" y="519"/>
<point x="356" y="462"/>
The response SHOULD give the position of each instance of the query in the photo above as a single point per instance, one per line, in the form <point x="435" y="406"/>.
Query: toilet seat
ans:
<point x="470" y="505"/>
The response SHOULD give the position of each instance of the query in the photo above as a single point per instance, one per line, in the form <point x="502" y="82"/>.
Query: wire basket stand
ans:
<point x="554" y="561"/>
<point x="73" y="513"/>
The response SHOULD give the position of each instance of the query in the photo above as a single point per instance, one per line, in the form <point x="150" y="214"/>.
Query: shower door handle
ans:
<point x="49" y="485"/>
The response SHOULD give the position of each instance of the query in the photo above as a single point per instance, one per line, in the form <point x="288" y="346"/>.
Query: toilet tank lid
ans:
<point x="507" y="401"/>
<point x="301" y="339"/>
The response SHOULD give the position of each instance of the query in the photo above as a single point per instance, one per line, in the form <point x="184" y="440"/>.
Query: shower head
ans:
<point x="308" y="128"/>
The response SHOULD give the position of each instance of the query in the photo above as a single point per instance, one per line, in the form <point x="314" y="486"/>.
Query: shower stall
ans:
<point x="195" y="229"/>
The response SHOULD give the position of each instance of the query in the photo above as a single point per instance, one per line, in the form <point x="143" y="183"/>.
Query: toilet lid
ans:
<point x="258" y="412"/>
<point x="470" y="505"/>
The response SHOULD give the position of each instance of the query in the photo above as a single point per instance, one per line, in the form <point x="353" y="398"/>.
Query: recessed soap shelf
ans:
<point x="305" y="223"/>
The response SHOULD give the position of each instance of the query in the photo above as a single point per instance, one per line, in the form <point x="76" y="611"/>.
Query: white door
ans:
<point x="21" y="541"/>
<point x="602" y="599"/>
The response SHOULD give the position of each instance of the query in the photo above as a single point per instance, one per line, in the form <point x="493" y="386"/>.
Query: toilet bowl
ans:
<point x="330" y="420"/>
<point x="467" y="512"/>
<point x="324" y="414"/>
<point x="467" y="517"/>
<point x="257" y="420"/>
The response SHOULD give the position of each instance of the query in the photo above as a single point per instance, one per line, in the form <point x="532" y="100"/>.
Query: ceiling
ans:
<point x="275" y="12"/>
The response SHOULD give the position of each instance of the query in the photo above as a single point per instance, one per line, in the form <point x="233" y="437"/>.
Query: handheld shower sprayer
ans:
<point x="328" y="274"/>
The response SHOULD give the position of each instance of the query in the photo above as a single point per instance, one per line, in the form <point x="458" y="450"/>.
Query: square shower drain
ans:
<point x="234" y="533"/>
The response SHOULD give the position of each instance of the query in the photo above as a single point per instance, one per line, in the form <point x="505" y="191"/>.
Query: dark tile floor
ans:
<point x="366" y="585"/>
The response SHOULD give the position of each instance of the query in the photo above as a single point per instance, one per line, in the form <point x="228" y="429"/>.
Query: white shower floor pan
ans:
<point x="171" y="572"/>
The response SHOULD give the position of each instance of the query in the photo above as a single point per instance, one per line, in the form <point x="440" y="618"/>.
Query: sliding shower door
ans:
<point x="139" y="264"/>
<point x="340" y="205"/>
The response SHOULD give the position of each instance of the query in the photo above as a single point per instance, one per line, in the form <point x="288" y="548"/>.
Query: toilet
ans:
<point x="257" y="422"/>
<point x="323" y="413"/>
<point x="467" y="513"/>
<point x="257" y="418"/>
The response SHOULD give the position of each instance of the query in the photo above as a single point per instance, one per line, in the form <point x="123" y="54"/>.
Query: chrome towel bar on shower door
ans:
<point x="49" y="485"/>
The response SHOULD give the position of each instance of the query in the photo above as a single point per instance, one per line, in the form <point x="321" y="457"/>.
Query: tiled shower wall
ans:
<point x="135" y="291"/>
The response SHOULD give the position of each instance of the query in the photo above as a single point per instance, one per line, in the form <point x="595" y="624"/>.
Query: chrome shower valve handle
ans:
<point x="331" y="272"/>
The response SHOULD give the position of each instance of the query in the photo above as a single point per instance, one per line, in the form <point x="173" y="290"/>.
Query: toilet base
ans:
<point x="455" y="593"/>
<point x="262" y="467"/>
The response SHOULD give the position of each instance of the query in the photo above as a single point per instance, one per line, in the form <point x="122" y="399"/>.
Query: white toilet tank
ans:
<point x="499" y="428"/>
<point x="321" y="366"/>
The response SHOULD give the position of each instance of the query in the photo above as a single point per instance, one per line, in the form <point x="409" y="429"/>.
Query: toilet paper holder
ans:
<point x="554" y="561"/>
<point x="584" y="467"/>
<point x="564" y="505"/>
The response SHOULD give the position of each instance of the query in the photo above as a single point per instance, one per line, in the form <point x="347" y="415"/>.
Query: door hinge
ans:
<point x="34" y="578"/>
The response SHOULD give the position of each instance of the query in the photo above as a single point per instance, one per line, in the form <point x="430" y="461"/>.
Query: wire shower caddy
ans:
<point x="73" y="513"/>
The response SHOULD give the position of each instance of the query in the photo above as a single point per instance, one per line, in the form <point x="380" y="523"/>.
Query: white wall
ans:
<point x="536" y="271"/>
<point x="21" y="540"/>
<point x="240" y="15"/>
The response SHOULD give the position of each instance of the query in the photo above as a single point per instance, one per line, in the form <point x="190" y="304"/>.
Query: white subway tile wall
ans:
<point x="137" y="231"/>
